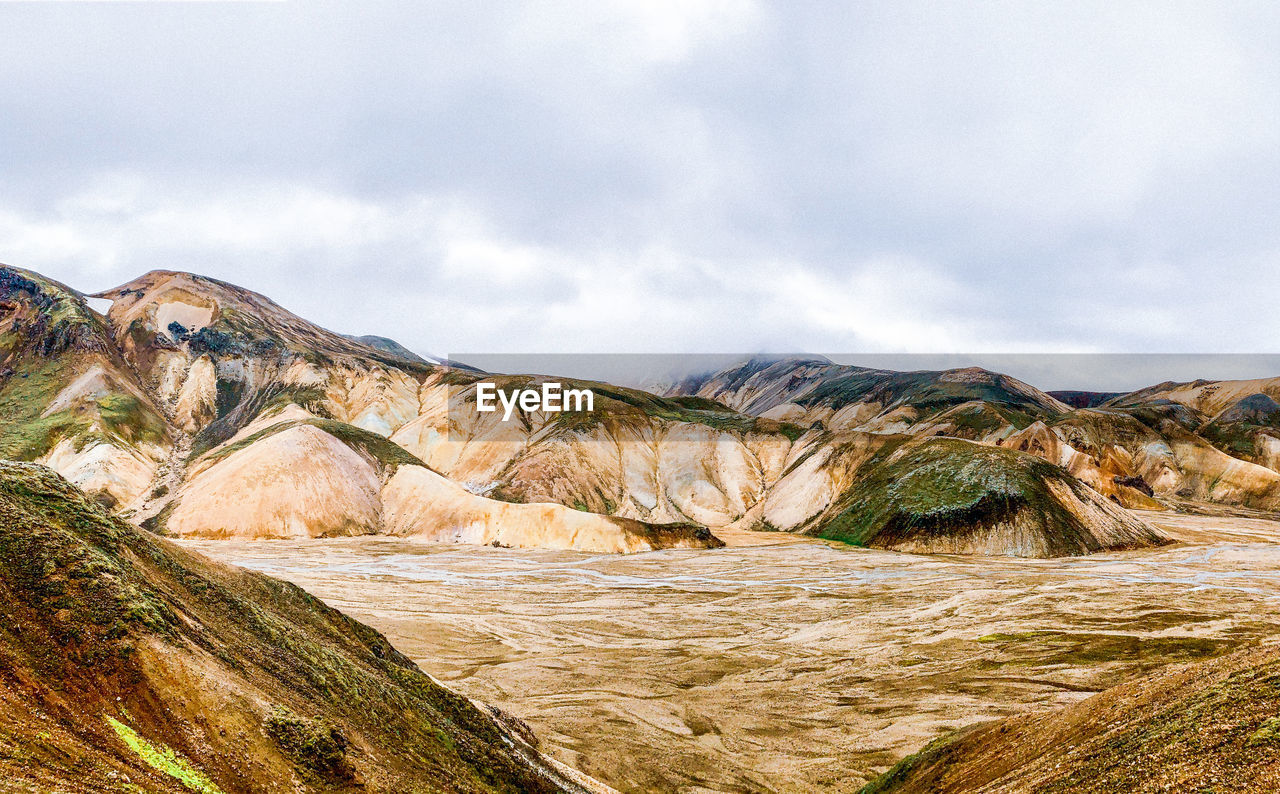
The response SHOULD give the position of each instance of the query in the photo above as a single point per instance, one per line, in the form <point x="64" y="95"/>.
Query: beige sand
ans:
<point x="778" y="665"/>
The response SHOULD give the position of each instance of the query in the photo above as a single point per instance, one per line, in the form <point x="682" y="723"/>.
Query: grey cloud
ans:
<point x="717" y="175"/>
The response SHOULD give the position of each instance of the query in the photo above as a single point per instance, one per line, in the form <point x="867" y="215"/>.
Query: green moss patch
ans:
<point x="24" y="395"/>
<point x="164" y="759"/>
<point x="380" y="448"/>
<point x="1267" y="734"/>
<point x="315" y="746"/>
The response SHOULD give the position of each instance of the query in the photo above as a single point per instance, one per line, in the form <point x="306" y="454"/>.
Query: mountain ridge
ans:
<point x="216" y="365"/>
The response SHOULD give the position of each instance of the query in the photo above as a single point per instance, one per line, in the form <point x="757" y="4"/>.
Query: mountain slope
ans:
<point x="268" y="420"/>
<point x="128" y="662"/>
<point x="955" y="496"/>
<point x="1211" y="726"/>
<point x="943" y="495"/>
<point x="389" y="346"/>
<point x="66" y="395"/>
<point x="635" y="455"/>
<point x="293" y="475"/>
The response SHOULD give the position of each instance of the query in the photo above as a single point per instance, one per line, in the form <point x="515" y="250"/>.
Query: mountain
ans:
<point x="1084" y="399"/>
<point x="68" y="397"/>
<point x="199" y="408"/>
<point x="806" y="390"/>
<point x="952" y="495"/>
<point x="1169" y="446"/>
<point x="1238" y="417"/>
<point x="389" y="346"/>
<point x="692" y="459"/>
<point x="130" y="664"/>
<point x="1210" y="726"/>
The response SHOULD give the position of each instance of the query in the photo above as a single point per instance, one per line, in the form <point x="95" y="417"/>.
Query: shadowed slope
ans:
<point x="128" y="661"/>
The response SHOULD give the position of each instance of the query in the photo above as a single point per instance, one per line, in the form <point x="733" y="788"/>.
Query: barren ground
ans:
<point x="782" y="664"/>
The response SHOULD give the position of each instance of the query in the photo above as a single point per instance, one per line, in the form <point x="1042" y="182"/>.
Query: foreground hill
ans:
<point x="1211" y="726"/>
<point x="130" y="664"/>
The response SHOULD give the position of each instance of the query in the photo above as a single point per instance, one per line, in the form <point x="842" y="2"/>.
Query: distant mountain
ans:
<point x="390" y="346"/>
<point x="805" y="390"/>
<point x="1153" y="448"/>
<point x="133" y="665"/>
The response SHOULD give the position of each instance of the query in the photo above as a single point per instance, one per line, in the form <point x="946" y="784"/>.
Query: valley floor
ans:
<point x="782" y="664"/>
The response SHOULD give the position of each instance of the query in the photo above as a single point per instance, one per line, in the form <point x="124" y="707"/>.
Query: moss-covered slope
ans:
<point x="1212" y="726"/>
<point x="128" y="664"/>
<point x="50" y="339"/>
<point x="944" y="494"/>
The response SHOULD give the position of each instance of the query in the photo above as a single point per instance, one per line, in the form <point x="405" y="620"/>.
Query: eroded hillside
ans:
<point x="200" y="408"/>
<point x="131" y="664"/>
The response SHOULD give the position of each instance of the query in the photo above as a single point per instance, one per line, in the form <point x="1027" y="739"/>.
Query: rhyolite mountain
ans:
<point x="130" y="664"/>
<point x="1171" y="445"/>
<point x="689" y="458"/>
<point x="198" y="408"/>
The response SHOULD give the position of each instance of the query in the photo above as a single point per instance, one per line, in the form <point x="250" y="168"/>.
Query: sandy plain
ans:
<point x="778" y="663"/>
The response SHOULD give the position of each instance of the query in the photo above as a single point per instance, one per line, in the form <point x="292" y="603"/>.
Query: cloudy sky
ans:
<point x="683" y="176"/>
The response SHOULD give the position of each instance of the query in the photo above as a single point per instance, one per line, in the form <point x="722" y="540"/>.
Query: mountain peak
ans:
<point x="168" y="309"/>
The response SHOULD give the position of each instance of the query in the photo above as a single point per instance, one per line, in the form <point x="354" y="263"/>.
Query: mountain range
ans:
<point x="200" y="409"/>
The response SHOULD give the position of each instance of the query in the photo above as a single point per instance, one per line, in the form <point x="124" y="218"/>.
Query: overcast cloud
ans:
<point x="687" y="176"/>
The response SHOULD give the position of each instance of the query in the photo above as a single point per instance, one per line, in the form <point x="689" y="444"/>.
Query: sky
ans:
<point x="695" y="176"/>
